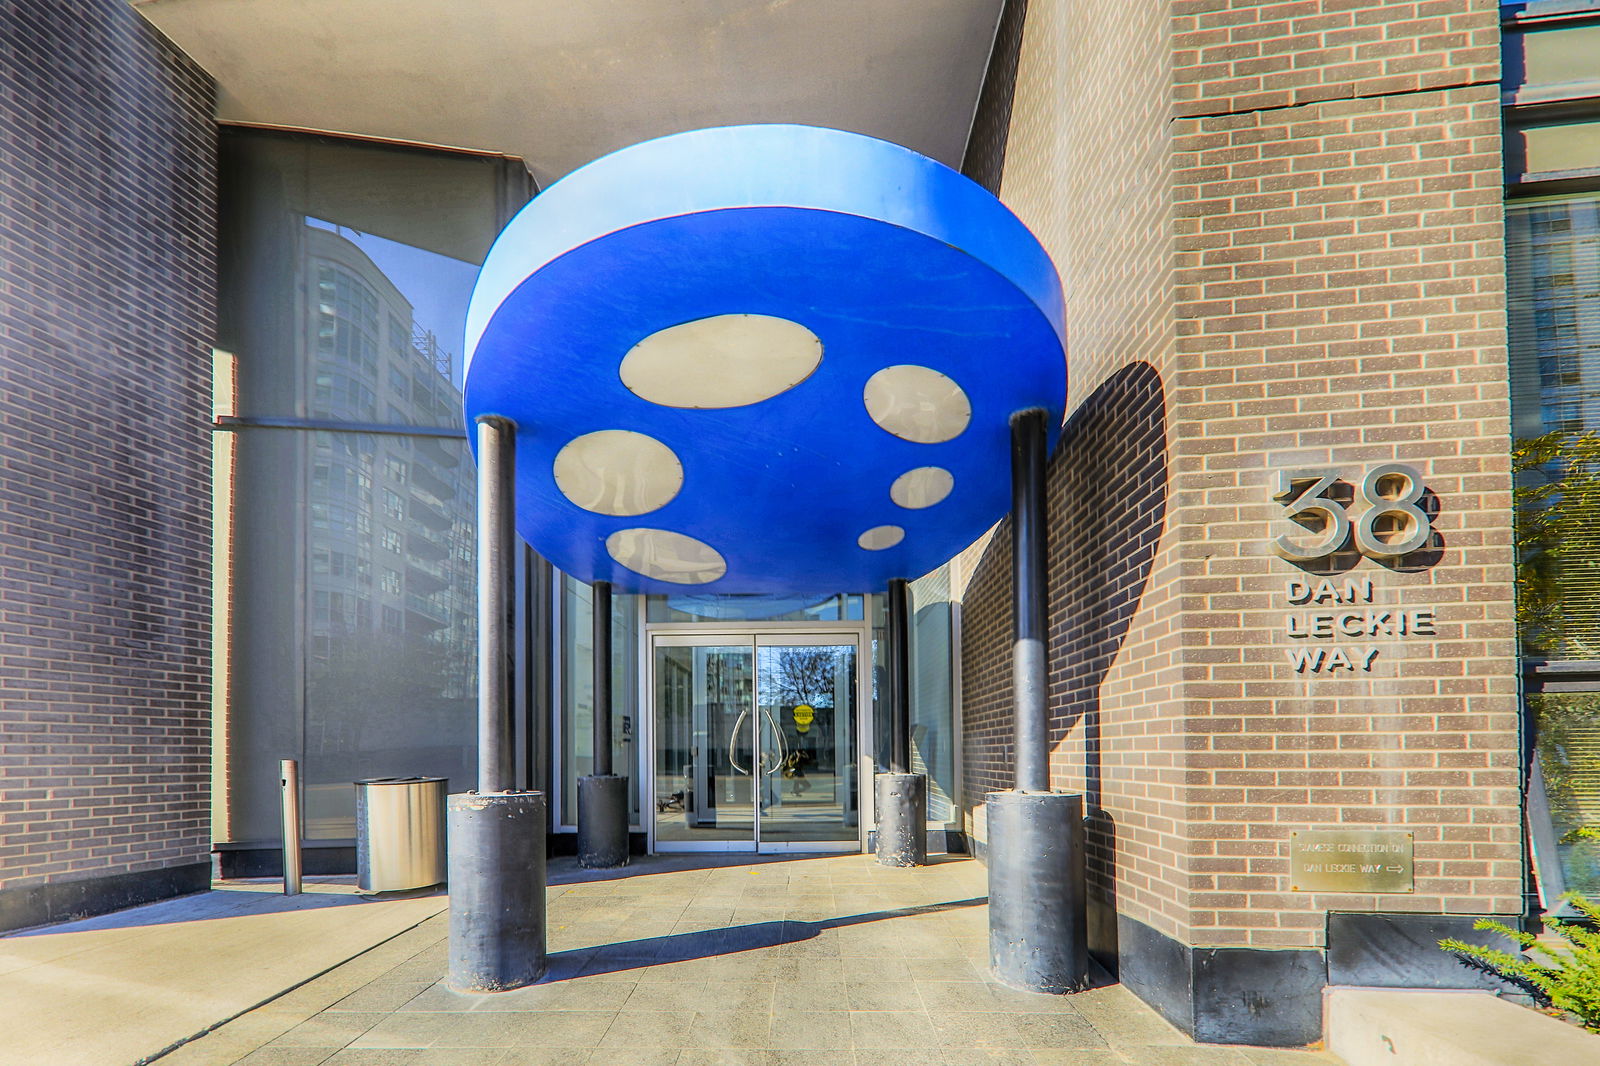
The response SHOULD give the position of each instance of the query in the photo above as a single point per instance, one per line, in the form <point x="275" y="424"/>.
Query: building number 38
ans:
<point x="1392" y="524"/>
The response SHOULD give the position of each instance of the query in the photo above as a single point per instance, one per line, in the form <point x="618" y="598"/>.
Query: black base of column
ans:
<point x="497" y="886"/>
<point x="1038" y="930"/>
<point x="602" y="822"/>
<point x="902" y="805"/>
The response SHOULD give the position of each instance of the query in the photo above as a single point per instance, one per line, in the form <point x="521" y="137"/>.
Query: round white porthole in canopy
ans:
<point x="721" y="361"/>
<point x="618" y="472"/>
<point x="917" y="403"/>
<point x="922" y="487"/>
<point x="666" y="556"/>
<point x="796" y="350"/>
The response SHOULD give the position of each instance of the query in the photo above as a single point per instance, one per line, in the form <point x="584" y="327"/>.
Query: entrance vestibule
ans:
<point x="757" y="739"/>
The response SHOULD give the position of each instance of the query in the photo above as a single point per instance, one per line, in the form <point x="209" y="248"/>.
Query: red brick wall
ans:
<point x="1290" y="213"/>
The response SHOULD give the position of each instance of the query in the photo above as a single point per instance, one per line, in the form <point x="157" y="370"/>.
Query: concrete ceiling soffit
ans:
<point x="559" y="84"/>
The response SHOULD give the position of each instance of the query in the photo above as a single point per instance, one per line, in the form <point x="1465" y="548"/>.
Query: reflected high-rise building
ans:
<point x="389" y="611"/>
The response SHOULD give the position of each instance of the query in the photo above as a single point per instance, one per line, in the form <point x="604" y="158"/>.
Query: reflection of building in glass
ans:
<point x="389" y="607"/>
<point x="1554" y="249"/>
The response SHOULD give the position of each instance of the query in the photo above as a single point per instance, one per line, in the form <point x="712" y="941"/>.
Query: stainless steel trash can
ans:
<point x="400" y="833"/>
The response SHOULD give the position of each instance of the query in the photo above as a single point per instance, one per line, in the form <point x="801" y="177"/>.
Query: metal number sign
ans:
<point x="1392" y="524"/>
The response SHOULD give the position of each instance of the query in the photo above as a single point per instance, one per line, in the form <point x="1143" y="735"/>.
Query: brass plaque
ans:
<point x="1351" y="860"/>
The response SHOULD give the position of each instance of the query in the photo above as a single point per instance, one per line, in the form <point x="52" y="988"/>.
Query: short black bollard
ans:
<point x="902" y="803"/>
<point x="602" y="821"/>
<point x="1038" y="925"/>
<point x="497" y="886"/>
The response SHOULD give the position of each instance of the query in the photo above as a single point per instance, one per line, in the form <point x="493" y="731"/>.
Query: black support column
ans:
<point x="602" y="796"/>
<point x="901" y="797"/>
<point x="496" y="834"/>
<point x="1037" y="921"/>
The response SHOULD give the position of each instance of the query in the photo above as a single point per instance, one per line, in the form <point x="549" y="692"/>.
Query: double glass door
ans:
<point x="755" y="742"/>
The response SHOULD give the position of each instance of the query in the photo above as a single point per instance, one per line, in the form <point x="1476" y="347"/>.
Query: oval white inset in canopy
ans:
<point x="799" y="317"/>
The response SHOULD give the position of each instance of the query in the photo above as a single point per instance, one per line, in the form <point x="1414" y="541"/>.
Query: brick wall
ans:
<point x="1289" y="214"/>
<point x="106" y="306"/>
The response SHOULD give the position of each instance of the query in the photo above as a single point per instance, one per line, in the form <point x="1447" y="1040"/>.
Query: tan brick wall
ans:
<point x="1316" y="284"/>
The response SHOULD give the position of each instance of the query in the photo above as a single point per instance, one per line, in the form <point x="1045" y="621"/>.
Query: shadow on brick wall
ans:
<point x="1107" y="502"/>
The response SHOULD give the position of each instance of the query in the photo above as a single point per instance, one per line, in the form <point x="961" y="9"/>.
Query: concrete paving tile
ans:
<point x="565" y="1029"/>
<point x="490" y="1028"/>
<point x="956" y="995"/>
<point x="969" y="1029"/>
<point x="789" y="1057"/>
<point x="538" y="1056"/>
<point x="648" y="1028"/>
<point x="724" y="1057"/>
<point x="416" y="1030"/>
<point x="382" y="994"/>
<point x="810" y="995"/>
<point x="751" y="994"/>
<point x="810" y="1030"/>
<point x="635" y="1056"/>
<point x="286" y="1056"/>
<point x="890" y="1029"/>
<point x="686" y="995"/>
<point x="1066" y="1057"/>
<point x="418" y="1057"/>
<point x="332" y="1028"/>
<point x="438" y="997"/>
<point x="979" y="1056"/>
<point x="731" y="1029"/>
<point x="923" y="1056"/>
<point x="891" y="995"/>
<point x="797" y="969"/>
<point x="1057" y="1031"/>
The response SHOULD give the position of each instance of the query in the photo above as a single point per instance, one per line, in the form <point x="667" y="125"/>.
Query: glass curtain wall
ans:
<point x="348" y="603"/>
<point x="577" y="694"/>
<point x="1551" y="65"/>
<point x="1553" y="250"/>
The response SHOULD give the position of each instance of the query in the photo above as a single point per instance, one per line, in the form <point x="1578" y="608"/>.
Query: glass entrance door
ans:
<point x="756" y="742"/>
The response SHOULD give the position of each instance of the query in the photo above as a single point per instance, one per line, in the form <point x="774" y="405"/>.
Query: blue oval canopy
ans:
<point x="774" y="359"/>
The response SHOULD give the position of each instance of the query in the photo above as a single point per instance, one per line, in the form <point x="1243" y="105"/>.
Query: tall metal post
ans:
<point x="496" y="836"/>
<point x="1038" y="927"/>
<point x="602" y="796"/>
<point x="1031" y="723"/>
<point x="496" y="544"/>
<point x="289" y="807"/>
<point x="901" y="796"/>
<point x="897" y="663"/>
<point x="602" y="678"/>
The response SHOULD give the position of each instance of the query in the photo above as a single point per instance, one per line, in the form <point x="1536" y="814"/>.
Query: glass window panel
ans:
<point x="577" y="693"/>
<point x="346" y="269"/>
<point x="933" y="736"/>
<point x="353" y="637"/>
<point x="706" y="761"/>
<point x="1553" y="253"/>
<point x="805" y="766"/>
<point x="709" y="607"/>
<point x="1567" y="736"/>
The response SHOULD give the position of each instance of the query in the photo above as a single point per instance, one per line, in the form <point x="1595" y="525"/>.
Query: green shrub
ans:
<point x="1566" y="978"/>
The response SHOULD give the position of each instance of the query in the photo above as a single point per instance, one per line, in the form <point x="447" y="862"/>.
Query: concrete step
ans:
<point x="1406" y="1027"/>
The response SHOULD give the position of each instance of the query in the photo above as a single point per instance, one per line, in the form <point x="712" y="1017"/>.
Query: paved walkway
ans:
<point x="121" y="988"/>
<point x="815" y="960"/>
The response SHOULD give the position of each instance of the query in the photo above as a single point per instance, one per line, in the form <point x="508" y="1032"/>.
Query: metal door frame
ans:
<point x="756" y="635"/>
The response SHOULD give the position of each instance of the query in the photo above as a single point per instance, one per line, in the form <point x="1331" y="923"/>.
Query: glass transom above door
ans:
<point x="756" y="742"/>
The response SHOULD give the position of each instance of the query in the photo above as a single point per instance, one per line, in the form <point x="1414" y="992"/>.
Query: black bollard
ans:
<point x="1038" y="930"/>
<point x="497" y="879"/>
<point x="902" y="803"/>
